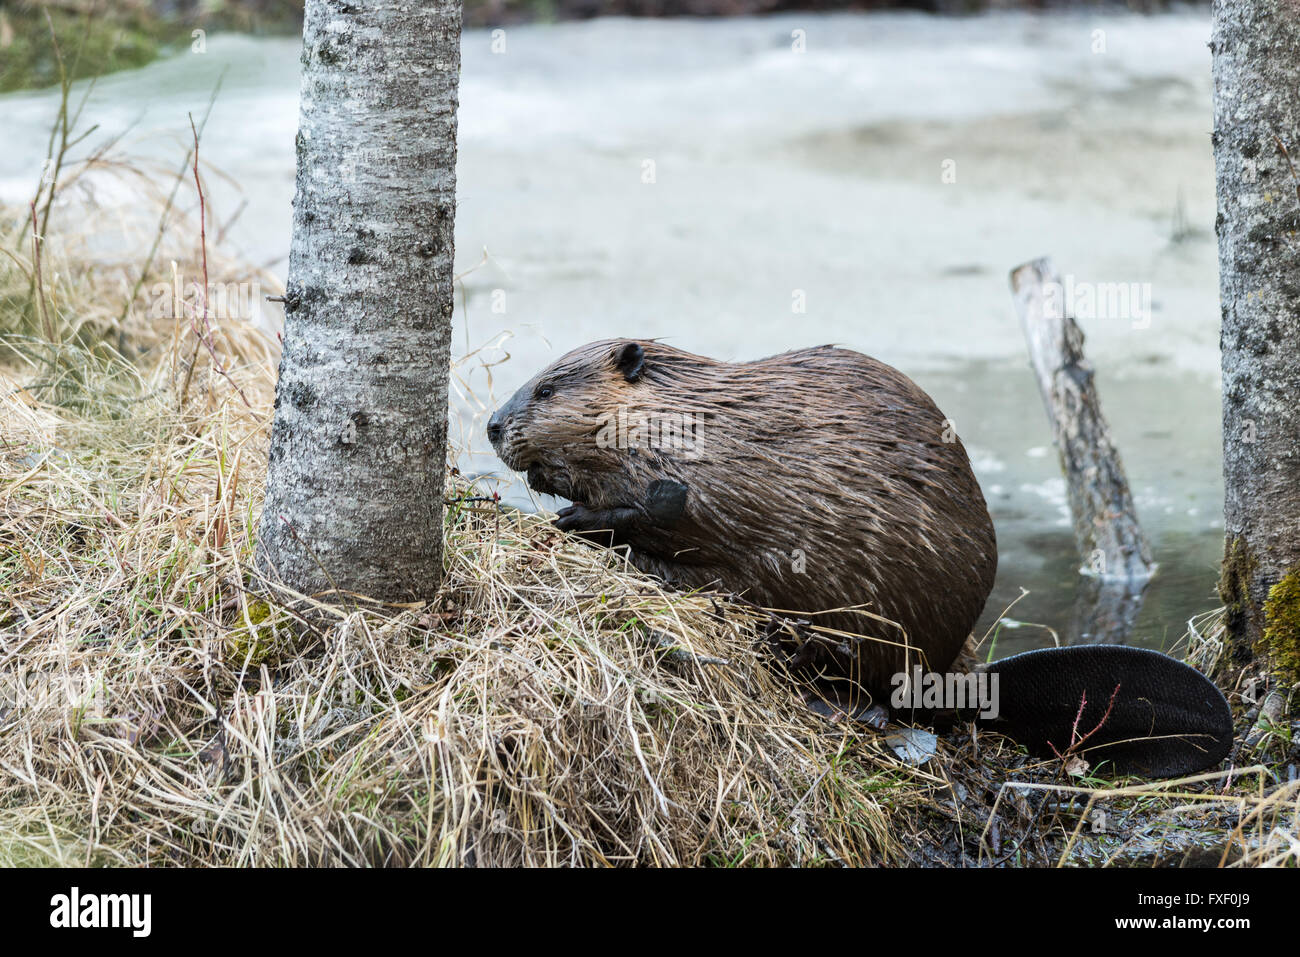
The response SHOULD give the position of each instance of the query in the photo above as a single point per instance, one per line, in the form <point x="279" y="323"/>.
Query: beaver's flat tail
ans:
<point x="1140" y="711"/>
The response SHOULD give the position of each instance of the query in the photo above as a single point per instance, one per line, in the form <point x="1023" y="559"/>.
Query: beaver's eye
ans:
<point x="544" y="392"/>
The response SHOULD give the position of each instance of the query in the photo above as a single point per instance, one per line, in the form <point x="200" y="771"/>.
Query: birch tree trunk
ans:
<point x="1256" y="46"/>
<point x="358" y="445"/>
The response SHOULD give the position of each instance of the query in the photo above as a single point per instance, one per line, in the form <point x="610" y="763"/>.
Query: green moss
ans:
<point x="1282" y="626"/>
<point x="252" y="646"/>
<point x="258" y="612"/>
<point x="1235" y="577"/>
<point x="1279" y="637"/>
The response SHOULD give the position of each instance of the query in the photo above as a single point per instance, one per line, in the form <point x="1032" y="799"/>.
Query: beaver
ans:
<point x="819" y="483"/>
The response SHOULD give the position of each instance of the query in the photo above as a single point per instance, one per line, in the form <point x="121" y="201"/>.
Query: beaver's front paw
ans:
<point x="577" y="518"/>
<point x="605" y="527"/>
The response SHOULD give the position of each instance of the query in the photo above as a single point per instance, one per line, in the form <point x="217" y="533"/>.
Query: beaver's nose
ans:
<point x="494" y="428"/>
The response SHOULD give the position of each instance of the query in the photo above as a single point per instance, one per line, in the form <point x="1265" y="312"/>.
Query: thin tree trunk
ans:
<point x="1256" y="45"/>
<point x="358" y="446"/>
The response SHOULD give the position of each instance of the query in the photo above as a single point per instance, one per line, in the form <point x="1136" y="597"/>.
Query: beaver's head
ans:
<point x="551" y="426"/>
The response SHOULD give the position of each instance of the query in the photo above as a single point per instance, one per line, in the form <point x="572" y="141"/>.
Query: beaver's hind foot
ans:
<point x="837" y="708"/>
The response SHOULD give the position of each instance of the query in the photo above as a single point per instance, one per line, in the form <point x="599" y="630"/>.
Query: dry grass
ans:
<point x="550" y="707"/>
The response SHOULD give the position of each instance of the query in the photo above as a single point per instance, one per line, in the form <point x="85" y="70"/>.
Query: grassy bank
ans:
<point x="550" y="706"/>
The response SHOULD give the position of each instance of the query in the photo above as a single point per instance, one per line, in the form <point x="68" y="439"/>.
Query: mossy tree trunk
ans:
<point x="358" y="445"/>
<point x="1256" y="47"/>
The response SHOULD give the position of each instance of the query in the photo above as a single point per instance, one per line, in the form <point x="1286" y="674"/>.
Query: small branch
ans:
<point x="1285" y="152"/>
<point x="205" y="334"/>
<point x="38" y="285"/>
<point x="1076" y="740"/>
<point x="1294" y="181"/>
<point x="167" y="207"/>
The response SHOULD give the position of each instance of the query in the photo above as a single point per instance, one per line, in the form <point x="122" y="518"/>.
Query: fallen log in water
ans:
<point x="1106" y="530"/>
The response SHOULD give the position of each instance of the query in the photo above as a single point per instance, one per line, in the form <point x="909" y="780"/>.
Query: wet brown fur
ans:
<point x="821" y="454"/>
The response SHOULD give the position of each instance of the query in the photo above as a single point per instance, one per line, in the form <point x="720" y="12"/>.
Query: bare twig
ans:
<point x="204" y="332"/>
<point x="38" y="286"/>
<point x="167" y="207"/>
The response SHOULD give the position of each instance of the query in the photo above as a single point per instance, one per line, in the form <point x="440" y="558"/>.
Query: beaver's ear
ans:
<point x="630" y="360"/>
